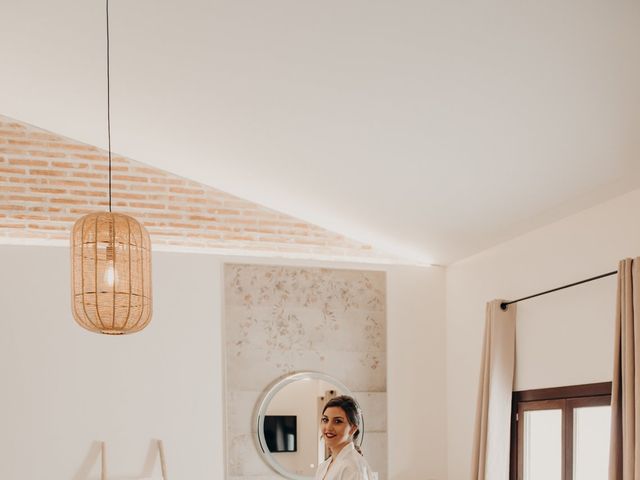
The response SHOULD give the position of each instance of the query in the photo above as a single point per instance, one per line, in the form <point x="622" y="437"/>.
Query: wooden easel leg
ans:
<point x="103" y="461"/>
<point x="163" y="463"/>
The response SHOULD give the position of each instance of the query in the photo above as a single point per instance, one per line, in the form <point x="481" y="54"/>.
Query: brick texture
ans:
<point x="47" y="182"/>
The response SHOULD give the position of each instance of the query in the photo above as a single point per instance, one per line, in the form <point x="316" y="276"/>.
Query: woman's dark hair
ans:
<point x="353" y="411"/>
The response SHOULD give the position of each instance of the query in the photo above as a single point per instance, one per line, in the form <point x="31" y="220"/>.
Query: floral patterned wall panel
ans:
<point x="280" y="320"/>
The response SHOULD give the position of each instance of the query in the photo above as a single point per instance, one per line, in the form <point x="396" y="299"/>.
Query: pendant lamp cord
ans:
<point x="108" y="105"/>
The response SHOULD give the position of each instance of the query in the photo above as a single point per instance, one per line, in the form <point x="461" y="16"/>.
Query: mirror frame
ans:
<point x="264" y="404"/>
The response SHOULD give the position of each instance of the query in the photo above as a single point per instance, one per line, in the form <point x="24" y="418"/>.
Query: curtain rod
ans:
<point x="504" y="305"/>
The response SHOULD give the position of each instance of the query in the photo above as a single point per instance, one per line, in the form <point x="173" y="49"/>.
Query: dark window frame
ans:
<point x="563" y="398"/>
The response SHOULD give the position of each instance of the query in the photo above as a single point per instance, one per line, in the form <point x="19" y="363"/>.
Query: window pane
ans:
<point x="591" y="442"/>
<point x="543" y="445"/>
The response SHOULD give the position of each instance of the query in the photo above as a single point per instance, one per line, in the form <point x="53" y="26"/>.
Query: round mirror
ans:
<point x="288" y="423"/>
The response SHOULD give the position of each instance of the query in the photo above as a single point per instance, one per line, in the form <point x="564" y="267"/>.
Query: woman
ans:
<point x="340" y="427"/>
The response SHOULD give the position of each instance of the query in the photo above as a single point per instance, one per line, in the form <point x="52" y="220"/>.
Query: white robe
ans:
<point x="348" y="465"/>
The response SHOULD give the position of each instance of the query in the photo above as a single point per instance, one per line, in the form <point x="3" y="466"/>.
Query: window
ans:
<point x="561" y="433"/>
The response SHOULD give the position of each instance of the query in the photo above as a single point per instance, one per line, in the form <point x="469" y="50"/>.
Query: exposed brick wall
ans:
<point x="47" y="182"/>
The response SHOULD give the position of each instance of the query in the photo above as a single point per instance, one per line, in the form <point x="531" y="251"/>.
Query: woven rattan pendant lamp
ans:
<point x="110" y="264"/>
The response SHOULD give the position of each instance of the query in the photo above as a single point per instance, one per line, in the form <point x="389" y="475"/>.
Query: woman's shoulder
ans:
<point x="356" y="464"/>
<point x="356" y="456"/>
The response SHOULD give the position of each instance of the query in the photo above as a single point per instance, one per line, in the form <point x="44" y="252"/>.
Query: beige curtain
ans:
<point x="624" y="453"/>
<point x="490" y="456"/>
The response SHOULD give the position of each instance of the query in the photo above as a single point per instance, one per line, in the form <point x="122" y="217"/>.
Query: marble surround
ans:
<point x="280" y="320"/>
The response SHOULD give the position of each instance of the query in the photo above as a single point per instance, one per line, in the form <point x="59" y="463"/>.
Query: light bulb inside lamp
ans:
<point x="110" y="271"/>
<point x="110" y="277"/>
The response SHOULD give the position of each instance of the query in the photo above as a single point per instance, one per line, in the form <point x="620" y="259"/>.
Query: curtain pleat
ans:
<point x="490" y="455"/>
<point x="624" y="452"/>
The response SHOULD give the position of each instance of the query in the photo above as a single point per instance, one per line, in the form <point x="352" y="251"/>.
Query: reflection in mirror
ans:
<point x="288" y="423"/>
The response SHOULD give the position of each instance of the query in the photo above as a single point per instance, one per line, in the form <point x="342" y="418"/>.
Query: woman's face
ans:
<point x="336" y="428"/>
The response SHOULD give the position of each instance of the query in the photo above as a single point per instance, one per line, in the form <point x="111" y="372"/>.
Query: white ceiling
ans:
<point x="431" y="129"/>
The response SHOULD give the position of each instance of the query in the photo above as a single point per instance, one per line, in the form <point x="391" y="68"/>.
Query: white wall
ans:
<point x="416" y="374"/>
<point x="64" y="388"/>
<point x="563" y="338"/>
